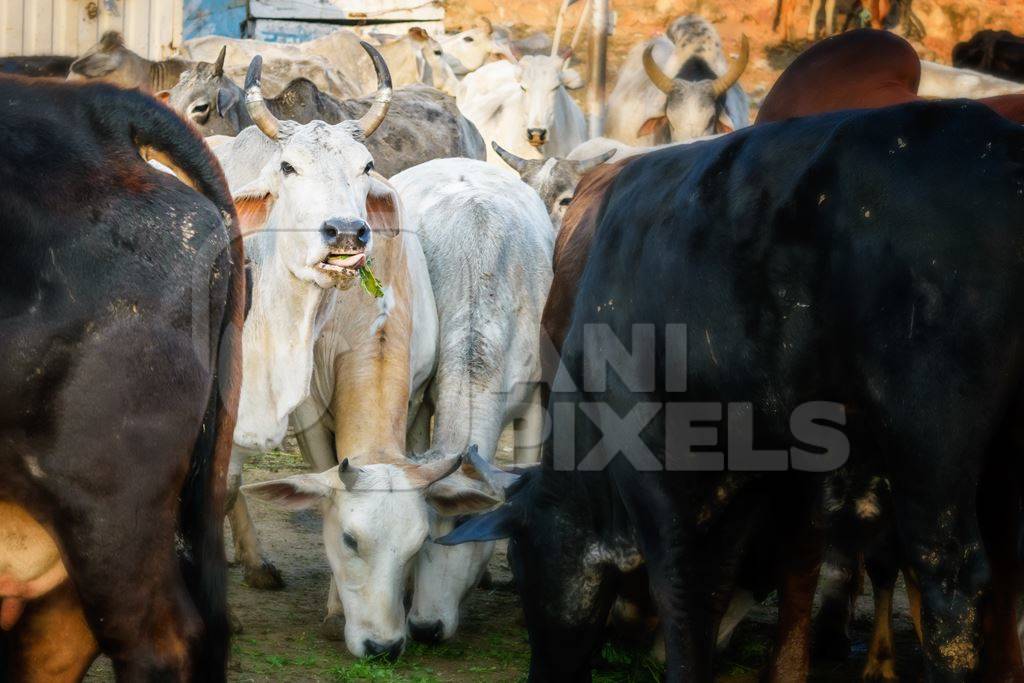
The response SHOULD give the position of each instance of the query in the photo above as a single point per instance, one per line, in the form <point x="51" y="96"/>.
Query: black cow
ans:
<point x="36" y="66"/>
<point x="119" y="288"/>
<point x="849" y="285"/>
<point x="999" y="53"/>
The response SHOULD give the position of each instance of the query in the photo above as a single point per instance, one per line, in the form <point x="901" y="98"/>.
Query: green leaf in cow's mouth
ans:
<point x="370" y="283"/>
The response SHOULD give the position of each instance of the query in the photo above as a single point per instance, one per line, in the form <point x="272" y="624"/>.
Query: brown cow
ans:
<point x="111" y="61"/>
<point x="119" y="384"/>
<point x="999" y="53"/>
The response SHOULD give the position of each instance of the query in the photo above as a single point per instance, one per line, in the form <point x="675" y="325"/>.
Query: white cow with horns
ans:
<point x="678" y="87"/>
<point x="524" y="107"/>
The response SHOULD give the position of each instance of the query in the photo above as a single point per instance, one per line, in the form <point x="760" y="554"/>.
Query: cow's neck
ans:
<point x="364" y="354"/>
<point x="278" y="339"/>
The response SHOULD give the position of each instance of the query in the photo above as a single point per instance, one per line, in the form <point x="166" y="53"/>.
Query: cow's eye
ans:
<point x="437" y="52"/>
<point x="565" y="201"/>
<point x="287" y="168"/>
<point x="350" y="542"/>
<point x="369" y="167"/>
<point x="468" y="39"/>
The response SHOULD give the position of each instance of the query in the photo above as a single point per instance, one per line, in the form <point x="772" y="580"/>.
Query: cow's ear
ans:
<point x="724" y="124"/>
<point x="226" y="99"/>
<point x="490" y="526"/>
<point x="652" y="126"/>
<point x="383" y="208"/>
<point x="297" y="492"/>
<point x="253" y="203"/>
<point x="163" y="96"/>
<point x="571" y="79"/>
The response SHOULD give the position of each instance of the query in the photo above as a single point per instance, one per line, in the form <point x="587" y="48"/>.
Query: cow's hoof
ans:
<point x="264" y="577"/>
<point x="333" y="627"/>
<point x="834" y="646"/>
<point x="880" y="670"/>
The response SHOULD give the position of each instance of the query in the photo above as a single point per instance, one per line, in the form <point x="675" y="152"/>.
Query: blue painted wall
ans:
<point x="220" y="17"/>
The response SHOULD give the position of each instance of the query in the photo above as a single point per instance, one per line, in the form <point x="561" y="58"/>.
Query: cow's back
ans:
<point x="860" y="69"/>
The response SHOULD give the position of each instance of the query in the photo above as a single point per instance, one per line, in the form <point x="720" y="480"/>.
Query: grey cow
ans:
<point x="422" y="123"/>
<point x="554" y="179"/>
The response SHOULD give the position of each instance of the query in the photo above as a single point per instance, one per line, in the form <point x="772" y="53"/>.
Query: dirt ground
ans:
<point x="281" y="638"/>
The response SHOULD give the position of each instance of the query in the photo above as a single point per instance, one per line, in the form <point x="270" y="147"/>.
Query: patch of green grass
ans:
<point x="624" y="665"/>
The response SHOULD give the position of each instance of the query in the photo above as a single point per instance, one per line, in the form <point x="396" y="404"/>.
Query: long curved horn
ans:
<point x="254" y="102"/>
<point x="726" y="80"/>
<point x="661" y="81"/>
<point x="218" y="66"/>
<point x="382" y="100"/>
<point x="518" y="164"/>
<point x="559" y="23"/>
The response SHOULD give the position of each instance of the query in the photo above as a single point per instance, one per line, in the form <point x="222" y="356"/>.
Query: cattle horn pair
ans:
<point x="271" y="126"/>
<point x="719" y="86"/>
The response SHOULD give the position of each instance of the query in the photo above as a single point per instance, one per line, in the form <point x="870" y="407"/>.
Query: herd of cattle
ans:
<point x="397" y="250"/>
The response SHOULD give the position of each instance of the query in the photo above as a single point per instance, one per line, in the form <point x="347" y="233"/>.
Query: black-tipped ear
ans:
<point x="490" y="526"/>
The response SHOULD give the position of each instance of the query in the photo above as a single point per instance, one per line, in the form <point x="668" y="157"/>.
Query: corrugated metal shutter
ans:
<point x="151" y="28"/>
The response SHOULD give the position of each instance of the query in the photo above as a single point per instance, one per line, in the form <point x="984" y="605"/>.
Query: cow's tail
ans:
<point x="156" y="132"/>
<point x="778" y="15"/>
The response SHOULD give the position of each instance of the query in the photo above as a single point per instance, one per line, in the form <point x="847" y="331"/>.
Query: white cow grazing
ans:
<point x="679" y="87"/>
<point x="489" y="243"/>
<point x="524" y="107"/>
<point x="941" y="81"/>
<point x="470" y="49"/>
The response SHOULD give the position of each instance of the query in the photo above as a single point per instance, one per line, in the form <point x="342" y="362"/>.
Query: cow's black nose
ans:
<point x="431" y="634"/>
<point x="391" y="651"/>
<point x="342" y="230"/>
<point x="537" y="133"/>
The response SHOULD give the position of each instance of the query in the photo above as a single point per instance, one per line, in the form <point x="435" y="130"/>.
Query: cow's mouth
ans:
<point x="343" y="262"/>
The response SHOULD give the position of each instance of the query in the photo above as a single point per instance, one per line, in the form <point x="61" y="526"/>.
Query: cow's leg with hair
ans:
<point x="840" y="588"/>
<point x="936" y="516"/>
<point x="259" y="573"/>
<point x="52" y="642"/>
<point x="882" y="563"/>
<point x="333" y="626"/>
<point x="830" y="18"/>
<point x="529" y="429"/>
<point x="798" y="563"/>
<point x="812" y="23"/>
<point x="316" y="443"/>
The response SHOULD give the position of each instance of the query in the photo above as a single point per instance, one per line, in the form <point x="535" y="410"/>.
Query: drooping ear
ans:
<point x="163" y="96"/>
<point x="226" y="99"/>
<point x="653" y="126"/>
<point x="490" y="526"/>
<point x="571" y="79"/>
<point x="724" y="123"/>
<point x="253" y="203"/>
<point x="418" y="34"/>
<point x="459" y="495"/>
<point x="297" y="492"/>
<point x="383" y="207"/>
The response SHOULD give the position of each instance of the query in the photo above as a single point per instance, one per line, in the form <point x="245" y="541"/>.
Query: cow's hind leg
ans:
<point x="529" y="430"/>
<point x="116" y="470"/>
<point x="812" y="24"/>
<point x="260" y="573"/>
<point x="939" y="535"/>
<point x="52" y="642"/>
<point x="882" y="563"/>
